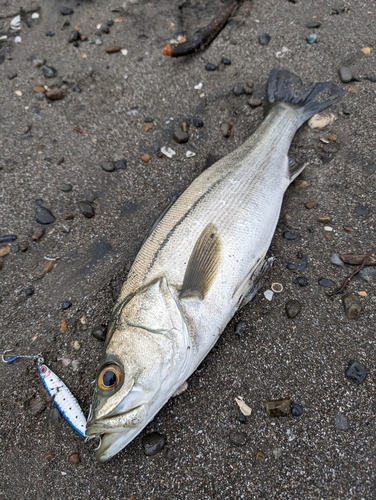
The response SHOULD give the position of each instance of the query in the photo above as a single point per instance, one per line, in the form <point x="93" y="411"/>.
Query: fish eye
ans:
<point x="109" y="377"/>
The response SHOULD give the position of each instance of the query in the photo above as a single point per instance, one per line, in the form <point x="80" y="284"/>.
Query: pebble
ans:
<point x="254" y="102"/>
<point x="356" y="372"/>
<point x="311" y="38"/>
<point x="324" y="219"/>
<point x="110" y="22"/>
<point x="313" y="24"/>
<point x="48" y="266"/>
<point x="288" y="235"/>
<point x="367" y="274"/>
<point x="340" y="421"/>
<point x="37" y="63"/>
<point x="66" y="305"/>
<point x="278" y="407"/>
<point x="362" y="210"/>
<point x="74" y="36"/>
<point x="352" y="305"/>
<point x="66" y="11"/>
<point x="238" y="438"/>
<point x="300" y="266"/>
<point x="153" y="443"/>
<point x="292" y="308"/>
<point x="43" y="215"/>
<point x="184" y="126"/>
<point x="74" y="458"/>
<point x="319" y="121"/>
<point x="146" y="158"/>
<point x="68" y="216"/>
<point x="76" y="345"/>
<point x="147" y="127"/>
<point x="226" y="61"/>
<point x="180" y="137"/>
<point x="98" y="41"/>
<point x="301" y="281"/>
<point x="39" y="89"/>
<point x="210" y="67"/>
<point x="241" y="328"/>
<point x="242" y="418"/>
<point x="54" y="417"/>
<point x="54" y="94"/>
<point x="297" y="410"/>
<point x="38" y="233"/>
<point x="226" y="129"/>
<point x="121" y="165"/>
<point x="86" y="209"/>
<point x="49" y="71"/>
<point x="311" y="204"/>
<point x="99" y="334"/>
<point x="264" y="39"/>
<point x="108" y="166"/>
<point x="260" y="456"/>
<point x="113" y="49"/>
<point x="345" y="74"/>
<point x="105" y="30"/>
<point x="66" y="188"/>
<point x="336" y="260"/>
<point x="301" y="184"/>
<point x="277" y="452"/>
<point x="63" y="326"/>
<point x="198" y="123"/>
<point x="50" y="33"/>
<point x="29" y="291"/>
<point x="238" y="90"/>
<point x="326" y="283"/>
<point x="8" y="238"/>
<point x="36" y="406"/>
<point x="357" y="259"/>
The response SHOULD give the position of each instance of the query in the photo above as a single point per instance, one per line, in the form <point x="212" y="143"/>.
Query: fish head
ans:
<point x="143" y="362"/>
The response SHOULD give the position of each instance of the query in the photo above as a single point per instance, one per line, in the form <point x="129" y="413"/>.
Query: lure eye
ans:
<point x="109" y="377"/>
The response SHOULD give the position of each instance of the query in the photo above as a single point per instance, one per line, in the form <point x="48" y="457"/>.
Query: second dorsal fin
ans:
<point x="203" y="264"/>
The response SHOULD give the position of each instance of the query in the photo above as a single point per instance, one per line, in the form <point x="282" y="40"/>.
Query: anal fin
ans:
<point x="253" y="281"/>
<point x="295" y="167"/>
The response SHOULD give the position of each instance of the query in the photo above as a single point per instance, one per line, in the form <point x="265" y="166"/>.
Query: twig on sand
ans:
<point x="204" y="36"/>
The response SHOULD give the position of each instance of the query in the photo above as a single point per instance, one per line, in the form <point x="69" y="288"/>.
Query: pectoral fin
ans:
<point x="203" y="264"/>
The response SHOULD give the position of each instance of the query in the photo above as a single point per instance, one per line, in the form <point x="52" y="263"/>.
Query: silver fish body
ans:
<point x="201" y="262"/>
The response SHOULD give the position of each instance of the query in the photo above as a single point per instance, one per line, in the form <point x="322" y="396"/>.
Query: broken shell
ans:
<point x="244" y="408"/>
<point x="319" y="121"/>
<point x="15" y="23"/>
<point x="168" y="152"/>
<point x="366" y="51"/>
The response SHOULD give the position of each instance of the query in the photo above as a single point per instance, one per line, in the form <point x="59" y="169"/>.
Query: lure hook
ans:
<point x="10" y="359"/>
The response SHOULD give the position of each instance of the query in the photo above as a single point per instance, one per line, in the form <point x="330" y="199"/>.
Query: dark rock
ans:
<point x="74" y="36"/>
<point x="121" y="165"/>
<point x="86" y="209"/>
<point x="66" y="188"/>
<point x="180" y="137"/>
<point x="367" y="274"/>
<point x="340" y="421"/>
<point x="288" y="235"/>
<point x="326" y="283"/>
<point x="238" y="438"/>
<point x="50" y="33"/>
<point x="39" y="202"/>
<point x="66" y="11"/>
<point x="110" y="22"/>
<point x="242" y="418"/>
<point x="49" y="71"/>
<point x="311" y="38"/>
<point x="29" y="291"/>
<point x="301" y="281"/>
<point x="301" y="265"/>
<point x="99" y="334"/>
<point x="66" y="305"/>
<point x="210" y="67"/>
<point x="8" y="238"/>
<point x="15" y="248"/>
<point x="264" y="39"/>
<point x="241" y="328"/>
<point x="254" y="102"/>
<point x="362" y="210"/>
<point x="292" y="308"/>
<point x="108" y="166"/>
<point x="36" y="406"/>
<point x="105" y="30"/>
<point x="278" y="407"/>
<point x="53" y="417"/>
<point x="225" y="61"/>
<point x="356" y="372"/>
<point x="313" y="24"/>
<point x="226" y="129"/>
<point x="54" y="94"/>
<point x="345" y="74"/>
<point x="198" y="123"/>
<point x="352" y="305"/>
<point x="296" y="410"/>
<point x="153" y="443"/>
<point x="238" y="90"/>
<point x="43" y="215"/>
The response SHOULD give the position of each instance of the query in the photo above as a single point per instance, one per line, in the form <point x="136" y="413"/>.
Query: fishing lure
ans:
<point x="64" y="400"/>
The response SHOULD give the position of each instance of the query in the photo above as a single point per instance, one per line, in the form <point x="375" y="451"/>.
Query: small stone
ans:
<point x="311" y="204"/>
<point x="39" y="89"/>
<point x="254" y="103"/>
<point x="83" y="38"/>
<point x="362" y="210"/>
<point x="264" y="39"/>
<point x="153" y="443"/>
<point x="66" y="11"/>
<point x="288" y="235"/>
<point x="313" y="24"/>
<point x="301" y="184"/>
<point x="345" y="74"/>
<point x="74" y="36"/>
<point x="366" y="51"/>
<point x="99" y="334"/>
<point x="76" y="345"/>
<point x="147" y="127"/>
<point x="53" y="417"/>
<point x="37" y="63"/>
<point x="8" y="238"/>
<point x="98" y="41"/>
<point x="352" y="305"/>
<point x="54" y="94"/>
<point x="226" y="129"/>
<point x="356" y="372"/>
<point x="49" y="71"/>
<point x="297" y="410"/>
<point x="110" y="22"/>
<point x="225" y="61"/>
<point x="277" y="452"/>
<point x="113" y="49"/>
<point x="36" y="406"/>
<point x="260" y="456"/>
<point x="210" y="67"/>
<point x="38" y="233"/>
<point x="367" y="274"/>
<point x="356" y="259"/>
<point x="146" y="157"/>
<point x="121" y="165"/>
<point x="48" y="266"/>
<point x="198" y="123"/>
<point x="86" y="209"/>
<point x="66" y="305"/>
<point x="336" y="260"/>
<point x="301" y="281"/>
<point x="320" y="121"/>
<point x="326" y="283"/>
<point x="242" y="419"/>
<point x="108" y="166"/>
<point x="63" y="326"/>
<point x="4" y="250"/>
<point x="241" y="328"/>
<point x="105" y="30"/>
<point x="60" y="160"/>
<point x="311" y="38"/>
<point x="238" y="90"/>
<point x="292" y="308"/>
<point x="184" y="126"/>
<point x="43" y="215"/>
<point x="74" y="458"/>
<point x="349" y="229"/>
<point x="278" y="407"/>
<point x="29" y="292"/>
<point x="238" y="438"/>
<point x="180" y="137"/>
<point x="268" y="294"/>
<point x="68" y="216"/>
<point x="325" y="219"/>
<point x="50" y="33"/>
<point x="66" y="188"/>
<point x="340" y="421"/>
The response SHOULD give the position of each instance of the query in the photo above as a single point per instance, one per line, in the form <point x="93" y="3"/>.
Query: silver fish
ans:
<point x="202" y="261"/>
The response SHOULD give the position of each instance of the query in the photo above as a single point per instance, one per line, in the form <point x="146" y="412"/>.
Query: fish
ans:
<point x="204" y="259"/>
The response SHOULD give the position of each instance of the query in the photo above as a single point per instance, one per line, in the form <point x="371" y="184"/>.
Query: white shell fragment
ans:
<point x="15" y="23"/>
<point x="281" y="53"/>
<point x="268" y="294"/>
<point x="4" y="37"/>
<point x="35" y="15"/>
<point x="189" y="154"/>
<point x="168" y="152"/>
<point x="17" y="39"/>
<point x="328" y="228"/>
<point x="244" y="408"/>
<point x="199" y="86"/>
<point x="320" y="121"/>
<point x="18" y="92"/>
<point x="124" y="52"/>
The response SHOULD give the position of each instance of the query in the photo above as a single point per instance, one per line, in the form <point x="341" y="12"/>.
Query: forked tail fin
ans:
<point x="285" y="86"/>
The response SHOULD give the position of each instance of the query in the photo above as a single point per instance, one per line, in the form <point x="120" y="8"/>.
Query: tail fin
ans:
<point x="283" y="85"/>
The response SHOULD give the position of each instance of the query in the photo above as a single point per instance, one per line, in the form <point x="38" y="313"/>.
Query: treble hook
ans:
<point x="10" y="359"/>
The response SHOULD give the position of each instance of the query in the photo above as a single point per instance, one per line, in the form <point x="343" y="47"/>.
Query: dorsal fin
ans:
<point x="203" y="264"/>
